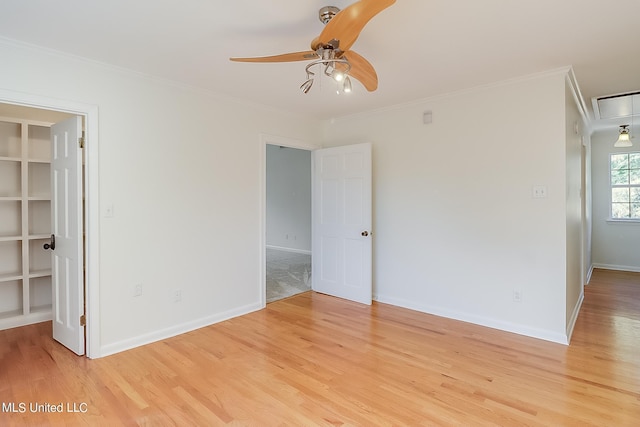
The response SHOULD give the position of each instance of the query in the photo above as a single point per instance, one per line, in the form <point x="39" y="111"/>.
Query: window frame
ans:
<point x="612" y="186"/>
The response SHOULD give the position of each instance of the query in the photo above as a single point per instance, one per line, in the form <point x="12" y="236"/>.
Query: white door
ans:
<point x="342" y="238"/>
<point x="66" y="228"/>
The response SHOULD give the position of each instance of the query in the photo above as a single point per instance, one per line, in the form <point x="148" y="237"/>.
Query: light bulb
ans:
<point x="347" y="85"/>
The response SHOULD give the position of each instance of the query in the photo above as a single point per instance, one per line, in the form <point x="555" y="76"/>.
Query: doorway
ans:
<point x="286" y="217"/>
<point x="52" y="110"/>
<point x="341" y="218"/>
<point x="288" y="222"/>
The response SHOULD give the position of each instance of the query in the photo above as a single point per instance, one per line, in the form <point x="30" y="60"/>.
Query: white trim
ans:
<point x="578" y="98"/>
<point x="589" y="274"/>
<point x="610" y="218"/>
<point x="293" y="250"/>
<point x="266" y="139"/>
<point x="633" y="221"/>
<point x="92" y="197"/>
<point x="543" y="334"/>
<point x="173" y="331"/>
<point x="574" y="316"/>
<point x="630" y="268"/>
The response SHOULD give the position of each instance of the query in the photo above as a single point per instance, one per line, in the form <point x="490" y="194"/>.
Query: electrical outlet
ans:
<point x="108" y="210"/>
<point x="177" y="295"/>
<point x="137" y="290"/>
<point x="517" y="295"/>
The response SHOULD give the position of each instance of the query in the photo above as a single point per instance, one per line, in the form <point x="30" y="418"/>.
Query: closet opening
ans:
<point x="29" y="201"/>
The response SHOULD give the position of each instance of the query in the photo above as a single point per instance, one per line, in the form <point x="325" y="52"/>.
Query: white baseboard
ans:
<point x="477" y="320"/>
<point x="589" y="274"/>
<point x="281" y="248"/>
<point x="631" y="268"/>
<point x="149" y="338"/>
<point x="574" y="316"/>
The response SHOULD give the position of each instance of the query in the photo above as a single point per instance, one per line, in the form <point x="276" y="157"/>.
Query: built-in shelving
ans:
<point x="25" y="222"/>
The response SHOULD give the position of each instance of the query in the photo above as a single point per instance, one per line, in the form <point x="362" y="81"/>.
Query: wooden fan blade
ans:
<point x="286" y="57"/>
<point x="362" y="70"/>
<point x="347" y="24"/>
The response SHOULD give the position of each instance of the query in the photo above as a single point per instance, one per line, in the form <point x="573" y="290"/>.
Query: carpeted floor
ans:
<point x="288" y="273"/>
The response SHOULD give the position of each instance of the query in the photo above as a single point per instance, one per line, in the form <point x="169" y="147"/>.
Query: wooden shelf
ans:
<point x="41" y="309"/>
<point x="15" y="319"/>
<point x="25" y="209"/>
<point x="39" y="273"/>
<point x="12" y="277"/>
<point x="39" y="236"/>
<point x="10" y="314"/>
<point x="10" y="159"/>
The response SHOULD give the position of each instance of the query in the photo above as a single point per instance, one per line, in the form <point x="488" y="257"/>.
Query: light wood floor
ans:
<point x="315" y="360"/>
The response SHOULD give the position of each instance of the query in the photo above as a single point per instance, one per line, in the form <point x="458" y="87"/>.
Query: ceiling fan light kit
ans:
<point x="331" y="49"/>
<point x="336" y="68"/>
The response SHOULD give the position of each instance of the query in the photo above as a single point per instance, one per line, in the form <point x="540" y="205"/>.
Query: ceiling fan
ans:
<point x="332" y="48"/>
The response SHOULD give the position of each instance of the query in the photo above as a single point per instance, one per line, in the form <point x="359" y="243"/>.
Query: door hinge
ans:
<point x="83" y="320"/>
<point x="81" y="140"/>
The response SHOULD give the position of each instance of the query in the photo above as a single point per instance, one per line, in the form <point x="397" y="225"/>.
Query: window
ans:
<point x="625" y="186"/>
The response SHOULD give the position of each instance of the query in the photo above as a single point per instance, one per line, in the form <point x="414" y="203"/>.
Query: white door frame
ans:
<point x="92" y="198"/>
<point x="265" y="140"/>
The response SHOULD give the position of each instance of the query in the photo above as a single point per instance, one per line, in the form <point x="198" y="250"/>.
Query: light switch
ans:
<point x="539" y="191"/>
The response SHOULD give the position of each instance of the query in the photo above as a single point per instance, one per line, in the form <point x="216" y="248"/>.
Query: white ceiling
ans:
<point x="420" y="48"/>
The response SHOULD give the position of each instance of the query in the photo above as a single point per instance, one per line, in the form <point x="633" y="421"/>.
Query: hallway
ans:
<point x="288" y="273"/>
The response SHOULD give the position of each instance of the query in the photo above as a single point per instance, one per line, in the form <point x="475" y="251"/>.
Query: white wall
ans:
<point x="616" y="245"/>
<point x="457" y="230"/>
<point x="181" y="168"/>
<point x="456" y="227"/>
<point x="574" y="129"/>
<point x="288" y="198"/>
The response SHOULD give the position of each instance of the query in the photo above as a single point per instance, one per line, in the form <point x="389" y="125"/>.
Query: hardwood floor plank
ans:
<point x="318" y="360"/>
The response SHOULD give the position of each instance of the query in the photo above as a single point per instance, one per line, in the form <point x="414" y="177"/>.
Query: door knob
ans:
<point x="365" y="233"/>
<point x="51" y="245"/>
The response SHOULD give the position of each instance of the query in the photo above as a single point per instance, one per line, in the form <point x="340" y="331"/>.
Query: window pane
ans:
<point x="620" y="195"/>
<point x="620" y="177"/>
<point x="619" y="161"/>
<point x="620" y="210"/>
<point x="625" y="185"/>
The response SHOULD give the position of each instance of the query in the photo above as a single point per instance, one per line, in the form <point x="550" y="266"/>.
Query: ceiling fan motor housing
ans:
<point x="326" y="13"/>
